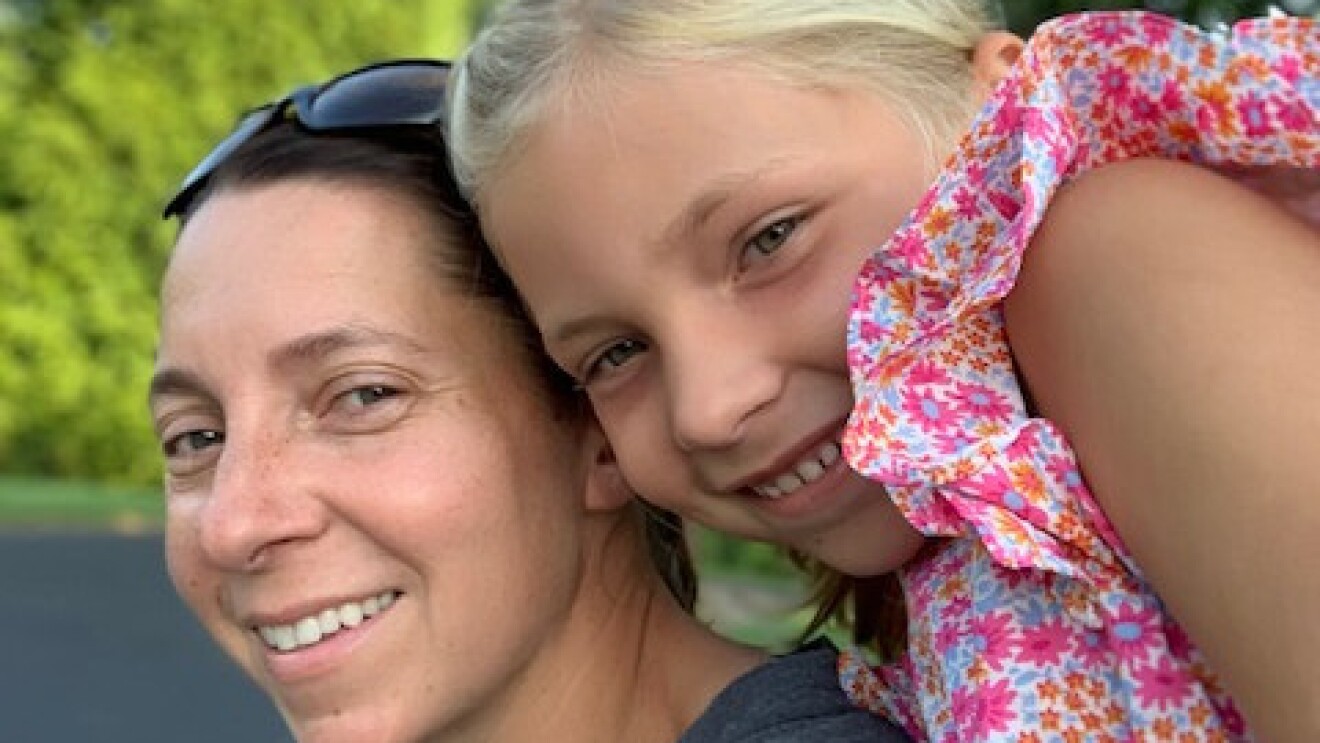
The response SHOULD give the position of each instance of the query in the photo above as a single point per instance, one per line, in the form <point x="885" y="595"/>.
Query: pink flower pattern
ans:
<point x="1053" y="635"/>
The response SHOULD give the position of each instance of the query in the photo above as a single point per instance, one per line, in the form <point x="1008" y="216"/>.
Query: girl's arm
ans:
<point x="1168" y="320"/>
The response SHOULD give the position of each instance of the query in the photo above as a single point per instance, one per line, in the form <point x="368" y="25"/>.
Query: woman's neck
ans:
<point x="630" y="665"/>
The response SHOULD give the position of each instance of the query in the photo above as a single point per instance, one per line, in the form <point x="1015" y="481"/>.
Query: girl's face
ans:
<point x="687" y="248"/>
<point x="368" y="507"/>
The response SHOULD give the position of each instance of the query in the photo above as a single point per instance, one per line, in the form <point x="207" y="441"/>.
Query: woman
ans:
<point x="382" y="504"/>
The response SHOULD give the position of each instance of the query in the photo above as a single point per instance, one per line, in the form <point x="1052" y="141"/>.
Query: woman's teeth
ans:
<point x="312" y="629"/>
<point x="808" y="470"/>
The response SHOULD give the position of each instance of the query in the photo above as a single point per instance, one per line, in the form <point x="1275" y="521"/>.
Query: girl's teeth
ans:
<point x="311" y="630"/>
<point x="808" y="470"/>
<point x="829" y="454"/>
<point x="788" y="483"/>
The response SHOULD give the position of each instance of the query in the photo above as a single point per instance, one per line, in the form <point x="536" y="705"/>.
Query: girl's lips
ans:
<point x="809" y="448"/>
<point x="826" y="493"/>
<point x="811" y="468"/>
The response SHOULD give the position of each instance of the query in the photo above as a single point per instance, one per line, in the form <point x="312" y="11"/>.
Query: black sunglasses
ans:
<point x="399" y="93"/>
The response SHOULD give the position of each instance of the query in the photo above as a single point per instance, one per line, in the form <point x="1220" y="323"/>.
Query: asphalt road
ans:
<point x="95" y="647"/>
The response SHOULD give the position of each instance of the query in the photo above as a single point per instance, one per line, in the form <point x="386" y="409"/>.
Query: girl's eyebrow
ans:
<point x="559" y="333"/>
<point x="710" y="198"/>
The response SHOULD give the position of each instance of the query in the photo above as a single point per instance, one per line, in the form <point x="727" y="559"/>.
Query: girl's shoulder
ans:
<point x="1151" y="34"/>
<point x="1151" y="216"/>
<point x="1103" y="86"/>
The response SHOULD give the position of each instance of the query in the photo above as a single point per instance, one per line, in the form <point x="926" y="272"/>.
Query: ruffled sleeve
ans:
<point x="940" y="419"/>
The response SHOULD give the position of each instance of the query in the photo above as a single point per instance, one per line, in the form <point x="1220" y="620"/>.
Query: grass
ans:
<point x="59" y="504"/>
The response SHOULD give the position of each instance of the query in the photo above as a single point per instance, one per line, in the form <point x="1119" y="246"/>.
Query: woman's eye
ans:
<point x="366" y="408"/>
<point x="612" y="358"/>
<point x="190" y="443"/>
<point x="363" y="397"/>
<point x="769" y="240"/>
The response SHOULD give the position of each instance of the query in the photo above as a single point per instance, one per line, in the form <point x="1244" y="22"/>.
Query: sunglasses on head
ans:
<point x="400" y="93"/>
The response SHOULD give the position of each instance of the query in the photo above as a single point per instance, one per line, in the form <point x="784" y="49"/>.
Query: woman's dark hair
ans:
<point x="412" y="162"/>
<point x="871" y="608"/>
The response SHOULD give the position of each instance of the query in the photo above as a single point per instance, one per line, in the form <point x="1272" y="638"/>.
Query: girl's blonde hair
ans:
<point x="536" y="55"/>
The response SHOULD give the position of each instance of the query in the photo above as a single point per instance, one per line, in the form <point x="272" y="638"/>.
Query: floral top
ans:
<point x="1032" y="623"/>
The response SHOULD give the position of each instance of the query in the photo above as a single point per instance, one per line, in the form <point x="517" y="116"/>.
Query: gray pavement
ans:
<point x="95" y="647"/>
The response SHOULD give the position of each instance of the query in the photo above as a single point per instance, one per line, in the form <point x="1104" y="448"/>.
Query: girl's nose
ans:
<point x="715" y="385"/>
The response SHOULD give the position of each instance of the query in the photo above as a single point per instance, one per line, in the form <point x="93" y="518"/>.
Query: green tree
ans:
<point x="103" y="107"/>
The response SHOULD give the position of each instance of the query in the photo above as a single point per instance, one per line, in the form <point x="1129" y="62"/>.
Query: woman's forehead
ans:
<point x="298" y="232"/>
<point x="283" y="260"/>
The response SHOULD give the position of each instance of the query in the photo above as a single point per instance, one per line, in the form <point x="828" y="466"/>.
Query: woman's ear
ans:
<point x="992" y="58"/>
<point x="606" y="490"/>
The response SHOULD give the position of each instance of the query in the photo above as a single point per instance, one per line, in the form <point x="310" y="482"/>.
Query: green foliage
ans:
<point x="721" y="554"/>
<point x="103" y="107"/>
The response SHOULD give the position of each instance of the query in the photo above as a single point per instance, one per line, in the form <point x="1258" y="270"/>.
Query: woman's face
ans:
<point x="368" y="506"/>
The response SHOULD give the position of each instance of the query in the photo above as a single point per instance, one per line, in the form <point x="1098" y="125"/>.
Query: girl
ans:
<point x="684" y="193"/>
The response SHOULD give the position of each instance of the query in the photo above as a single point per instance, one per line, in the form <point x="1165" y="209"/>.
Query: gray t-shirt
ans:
<point x="795" y="698"/>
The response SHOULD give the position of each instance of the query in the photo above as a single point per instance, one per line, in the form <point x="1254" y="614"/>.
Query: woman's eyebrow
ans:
<point x="315" y="347"/>
<point x="301" y="351"/>
<point x="173" y="381"/>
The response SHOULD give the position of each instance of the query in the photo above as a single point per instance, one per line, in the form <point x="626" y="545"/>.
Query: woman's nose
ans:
<point x="263" y="501"/>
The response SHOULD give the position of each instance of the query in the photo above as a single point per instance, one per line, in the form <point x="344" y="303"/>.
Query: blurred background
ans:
<point x="104" y="106"/>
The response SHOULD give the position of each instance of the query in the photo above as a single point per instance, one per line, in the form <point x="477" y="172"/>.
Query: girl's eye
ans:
<point x="612" y="358"/>
<point x="769" y="240"/>
<point x="190" y="443"/>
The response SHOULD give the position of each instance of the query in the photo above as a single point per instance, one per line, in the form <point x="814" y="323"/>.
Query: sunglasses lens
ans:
<point x="410" y="93"/>
<point x="381" y="96"/>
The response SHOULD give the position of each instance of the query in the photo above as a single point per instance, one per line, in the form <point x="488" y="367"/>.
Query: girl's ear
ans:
<point x="606" y="490"/>
<point x="992" y="58"/>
